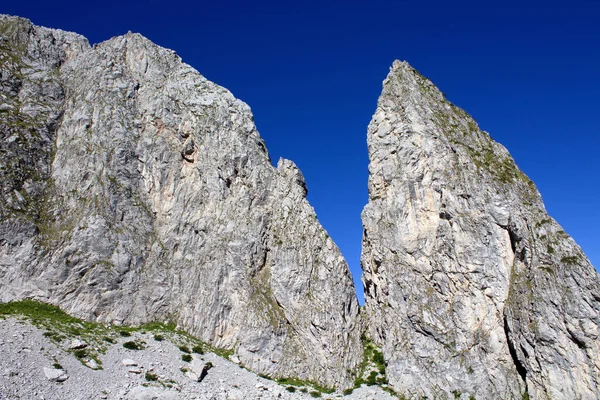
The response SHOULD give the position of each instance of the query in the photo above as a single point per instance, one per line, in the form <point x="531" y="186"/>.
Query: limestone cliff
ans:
<point x="471" y="288"/>
<point x="133" y="189"/>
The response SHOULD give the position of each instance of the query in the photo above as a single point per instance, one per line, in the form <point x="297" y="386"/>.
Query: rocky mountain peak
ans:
<point x="135" y="190"/>
<point x="462" y="265"/>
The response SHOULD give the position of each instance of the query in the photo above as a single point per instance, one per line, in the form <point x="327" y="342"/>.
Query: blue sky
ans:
<point x="312" y="72"/>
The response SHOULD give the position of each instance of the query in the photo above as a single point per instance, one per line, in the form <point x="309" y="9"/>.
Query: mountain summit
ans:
<point x="470" y="286"/>
<point x="135" y="190"/>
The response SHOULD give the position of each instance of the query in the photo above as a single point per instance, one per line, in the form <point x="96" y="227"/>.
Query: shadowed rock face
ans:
<point x="135" y="190"/>
<point x="470" y="286"/>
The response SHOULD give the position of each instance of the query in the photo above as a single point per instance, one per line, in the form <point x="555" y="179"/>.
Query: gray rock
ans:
<point x="156" y="198"/>
<point x="129" y="363"/>
<point x="91" y="363"/>
<point x="77" y="344"/>
<point x="148" y="393"/>
<point x="198" y="370"/>
<point x="470" y="286"/>
<point x="56" y="375"/>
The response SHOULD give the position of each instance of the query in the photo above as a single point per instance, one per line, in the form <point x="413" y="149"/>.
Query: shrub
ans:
<point x="57" y="366"/>
<point x="290" y="389"/>
<point x="348" y="392"/>
<point x="186" y="357"/>
<point x="185" y="349"/>
<point x="158" y="337"/>
<point x="132" y="346"/>
<point x="81" y="353"/>
<point x="198" y="349"/>
<point x="125" y="333"/>
<point x="372" y="378"/>
<point x="378" y="358"/>
<point x="151" y="377"/>
<point x="315" y="394"/>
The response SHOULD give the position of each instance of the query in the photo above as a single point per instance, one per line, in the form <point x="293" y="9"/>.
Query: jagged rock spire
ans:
<point x="470" y="286"/>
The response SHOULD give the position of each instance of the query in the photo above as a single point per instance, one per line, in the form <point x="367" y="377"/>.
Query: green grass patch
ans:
<point x="186" y="357"/>
<point x="59" y="326"/>
<point x="37" y="312"/>
<point x="372" y="369"/>
<point x="300" y="382"/>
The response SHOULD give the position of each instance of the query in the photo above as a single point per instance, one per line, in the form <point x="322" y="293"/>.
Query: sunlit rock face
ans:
<point x="471" y="287"/>
<point x="133" y="190"/>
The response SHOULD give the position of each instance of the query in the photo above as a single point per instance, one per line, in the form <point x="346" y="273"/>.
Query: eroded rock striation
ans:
<point x="471" y="288"/>
<point x="133" y="190"/>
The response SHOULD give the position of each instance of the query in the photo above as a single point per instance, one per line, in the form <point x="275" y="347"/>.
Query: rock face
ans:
<point x="471" y="287"/>
<point x="135" y="190"/>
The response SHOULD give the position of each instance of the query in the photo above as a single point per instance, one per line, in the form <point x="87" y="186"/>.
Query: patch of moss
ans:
<point x="302" y="383"/>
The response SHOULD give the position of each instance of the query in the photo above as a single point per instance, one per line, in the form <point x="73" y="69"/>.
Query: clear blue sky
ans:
<point x="312" y="72"/>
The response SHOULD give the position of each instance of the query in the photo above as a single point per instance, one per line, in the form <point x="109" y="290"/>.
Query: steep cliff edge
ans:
<point x="471" y="287"/>
<point x="135" y="190"/>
